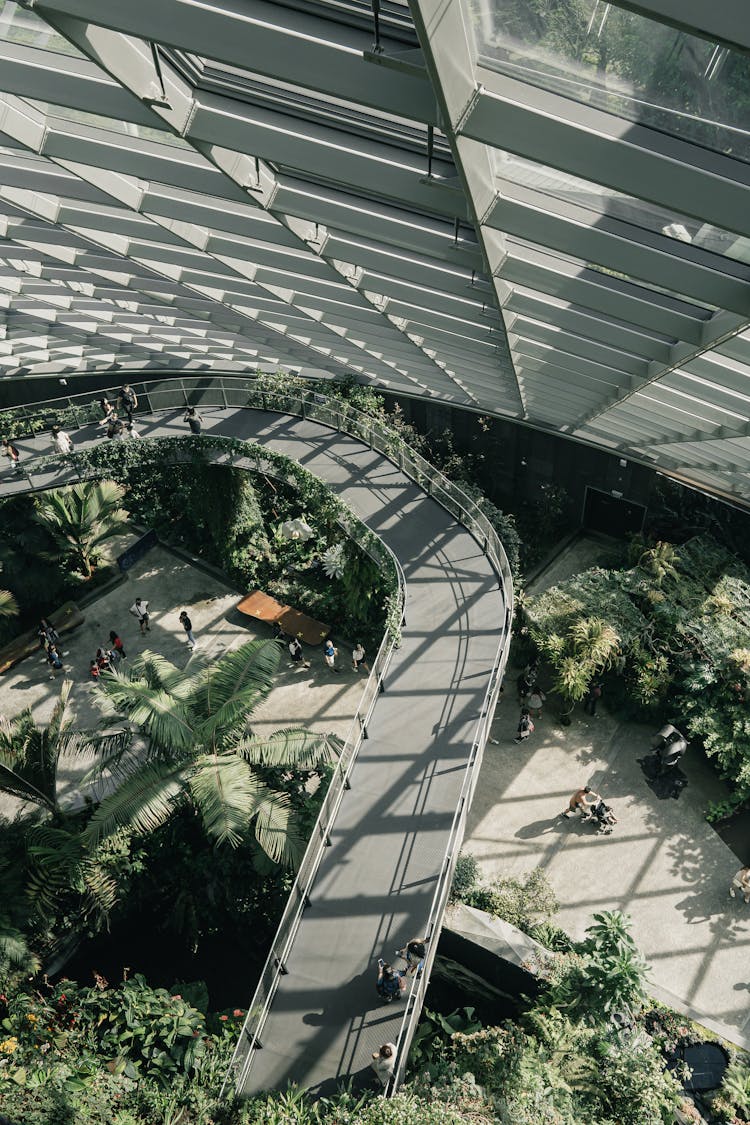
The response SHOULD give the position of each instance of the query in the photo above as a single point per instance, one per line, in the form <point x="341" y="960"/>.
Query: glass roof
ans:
<point x="307" y="193"/>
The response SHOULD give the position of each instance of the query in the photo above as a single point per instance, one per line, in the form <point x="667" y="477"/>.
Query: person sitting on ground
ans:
<point x="741" y="883"/>
<point x="414" y="954"/>
<point x="581" y="801"/>
<point x="384" y="1062"/>
<point x="117" y="644"/>
<point x="53" y="657"/>
<point x="295" y="652"/>
<point x="114" y="426"/>
<point x="94" y="671"/>
<point x="390" y="983"/>
<point x="103" y="660"/>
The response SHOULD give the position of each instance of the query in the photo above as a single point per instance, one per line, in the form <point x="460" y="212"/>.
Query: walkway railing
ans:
<point x="242" y="392"/>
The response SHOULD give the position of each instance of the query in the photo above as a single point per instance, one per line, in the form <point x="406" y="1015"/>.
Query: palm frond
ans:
<point x="14" y="950"/>
<point x="226" y="794"/>
<point x="57" y="723"/>
<point x="233" y="686"/>
<point x="8" y="604"/>
<point x="164" y="718"/>
<point x="289" y="747"/>
<point x="55" y="855"/>
<point x="276" y="830"/>
<point x="158" y="672"/>
<point x="145" y="800"/>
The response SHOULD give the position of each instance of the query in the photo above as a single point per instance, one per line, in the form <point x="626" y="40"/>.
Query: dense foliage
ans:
<point x="678" y="625"/>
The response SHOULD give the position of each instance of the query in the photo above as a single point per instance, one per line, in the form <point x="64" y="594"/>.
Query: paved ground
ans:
<point x="314" y="698"/>
<point x="663" y="865"/>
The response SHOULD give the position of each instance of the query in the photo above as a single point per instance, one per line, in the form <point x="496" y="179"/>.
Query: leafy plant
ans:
<point x="606" y="974"/>
<point x="200" y="751"/>
<point x="82" y="518"/>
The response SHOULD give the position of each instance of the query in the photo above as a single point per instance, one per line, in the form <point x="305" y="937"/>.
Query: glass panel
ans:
<point x="621" y="62"/>
<point x="606" y="201"/>
<point x="111" y="124"/>
<point x="20" y="26"/>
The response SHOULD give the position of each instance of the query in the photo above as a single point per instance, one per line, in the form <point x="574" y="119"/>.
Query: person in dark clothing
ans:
<point x="525" y="726"/>
<point x="193" y="420"/>
<point x="114" y="426"/>
<point x="127" y="401"/>
<point x="188" y="627"/>
<point x="593" y="697"/>
<point x="390" y="983"/>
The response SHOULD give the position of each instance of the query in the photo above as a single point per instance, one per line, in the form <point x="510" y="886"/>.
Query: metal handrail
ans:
<point x="317" y="406"/>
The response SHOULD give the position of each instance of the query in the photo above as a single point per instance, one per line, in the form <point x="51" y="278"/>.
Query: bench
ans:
<point x="295" y="624"/>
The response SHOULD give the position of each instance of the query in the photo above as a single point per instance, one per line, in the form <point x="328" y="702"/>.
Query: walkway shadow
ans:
<point x="539" y="828"/>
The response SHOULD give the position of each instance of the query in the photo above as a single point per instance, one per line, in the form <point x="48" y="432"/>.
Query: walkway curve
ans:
<point x="376" y="882"/>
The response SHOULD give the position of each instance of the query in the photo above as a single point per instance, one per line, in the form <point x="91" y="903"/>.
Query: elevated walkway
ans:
<point x="398" y="826"/>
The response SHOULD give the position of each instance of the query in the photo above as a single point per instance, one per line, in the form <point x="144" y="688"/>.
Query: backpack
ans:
<point x="390" y="987"/>
<point x="530" y="726"/>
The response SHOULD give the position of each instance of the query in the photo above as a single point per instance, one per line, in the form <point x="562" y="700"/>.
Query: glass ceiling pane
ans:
<point x="622" y="62"/>
<point x="111" y="124"/>
<point x="607" y="201"/>
<point x="17" y="25"/>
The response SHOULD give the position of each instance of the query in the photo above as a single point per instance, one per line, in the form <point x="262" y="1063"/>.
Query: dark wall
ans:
<point x="518" y="459"/>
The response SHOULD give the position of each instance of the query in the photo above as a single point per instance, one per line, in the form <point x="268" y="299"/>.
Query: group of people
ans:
<point x="330" y="652"/>
<point x="531" y="699"/>
<point x="390" y="984"/>
<point x="107" y="659"/>
<point x="49" y="640"/>
<point x="111" y="420"/>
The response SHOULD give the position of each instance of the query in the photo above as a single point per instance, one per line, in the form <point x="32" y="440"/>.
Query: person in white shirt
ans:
<point x="63" y="443"/>
<point x="139" y="609"/>
<point x="358" y="657"/>
<point x="130" y="431"/>
<point x="384" y="1062"/>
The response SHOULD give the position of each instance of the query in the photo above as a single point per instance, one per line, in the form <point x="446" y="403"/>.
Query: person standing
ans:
<point x="12" y="454"/>
<point x="139" y="609"/>
<point x="127" y="400"/>
<point x="193" y="420"/>
<point x="117" y="644"/>
<point x="525" y="726"/>
<point x="358" y="657"/>
<point x="188" y="627"/>
<point x="390" y="982"/>
<point x="329" y="655"/>
<point x="296" y="654"/>
<point x="384" y="1062"/>
<point x="536" y="701"/>
<point x="62" y="440"/>
<point x="593" y="697"/>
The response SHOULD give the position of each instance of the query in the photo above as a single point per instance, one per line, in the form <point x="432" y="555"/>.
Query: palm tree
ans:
<point x="200" y="751"/>
<point x="8" y="605"/>
<point x="82" y="518"/>
<point x="29" y="754"/>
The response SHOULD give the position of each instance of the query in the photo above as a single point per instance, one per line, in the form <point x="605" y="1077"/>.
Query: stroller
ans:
<point x="668" y="747"/>
<point x="603" y="816"/>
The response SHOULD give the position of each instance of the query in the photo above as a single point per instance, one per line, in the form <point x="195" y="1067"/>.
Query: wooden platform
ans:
<point x="295" y="624"/>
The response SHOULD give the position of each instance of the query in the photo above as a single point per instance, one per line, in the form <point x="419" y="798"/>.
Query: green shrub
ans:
<point x="465" y="877"/>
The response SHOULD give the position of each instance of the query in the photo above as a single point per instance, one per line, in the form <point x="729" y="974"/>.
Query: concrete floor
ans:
<point x="663" y="865"/>
<point x="313" y="698"/>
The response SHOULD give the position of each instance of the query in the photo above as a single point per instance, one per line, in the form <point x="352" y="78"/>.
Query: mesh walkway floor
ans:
<point x="376" y="882"/>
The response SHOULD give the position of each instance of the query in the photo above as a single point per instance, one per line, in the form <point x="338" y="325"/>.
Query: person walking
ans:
<point x="741" y="883"/>
<point x="130" y="431"/>
<point x="295" y="652"/>
<point x="329" y="655"/>
<point x="581" y="801"/>
<point x="525" y="726"/>
<point x="593" y="697"/>
<point x="414" y="954"/>
<point x="358" y="657"/>
<point x="47" y="633"/>
<point x="188" y="627"/>
<point x="62" y="440"/>
<point x="127" y="400"/>
<point x="117" y="644"/>
<point x="193" y="420"/>
<point x="139" y="609"/>
<point x="384" y="1062"/>
<point x="12" y="454"/>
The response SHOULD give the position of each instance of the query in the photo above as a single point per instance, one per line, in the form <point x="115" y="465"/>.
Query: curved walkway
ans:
<point x="376" y="882"/>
